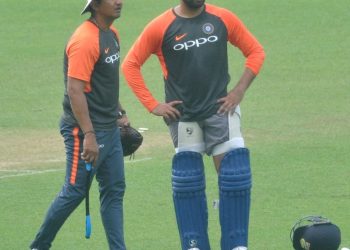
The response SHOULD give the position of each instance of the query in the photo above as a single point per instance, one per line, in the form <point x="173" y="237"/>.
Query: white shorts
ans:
<point x="215" y="135"/>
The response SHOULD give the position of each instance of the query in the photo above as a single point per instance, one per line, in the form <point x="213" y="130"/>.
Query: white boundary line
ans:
<point x="139" y="160"/>
<point x="13" y="163"/>
<point x="30" y="172"/>
<point x="27" y="172"/>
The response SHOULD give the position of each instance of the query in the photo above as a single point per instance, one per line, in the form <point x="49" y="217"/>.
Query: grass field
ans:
<point x="296" y="122"/>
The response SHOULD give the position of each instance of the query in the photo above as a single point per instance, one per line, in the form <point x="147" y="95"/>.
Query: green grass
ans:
<point x="296" y="122"/>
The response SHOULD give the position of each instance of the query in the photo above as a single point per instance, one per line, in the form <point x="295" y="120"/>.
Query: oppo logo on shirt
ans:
<point x="195" y="43"/>
<point x="113" y="58"/>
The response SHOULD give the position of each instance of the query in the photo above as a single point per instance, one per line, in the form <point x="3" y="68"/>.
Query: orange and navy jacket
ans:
<point x="93" y="56"/>
<point x="193" y="55"/>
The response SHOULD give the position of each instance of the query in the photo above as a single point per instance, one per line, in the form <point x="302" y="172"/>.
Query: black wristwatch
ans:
<point x="121" y="113"/>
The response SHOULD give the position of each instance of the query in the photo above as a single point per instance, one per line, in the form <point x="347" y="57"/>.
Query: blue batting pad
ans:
<point x="234" y="184"/>
<point x="190" y="202"/>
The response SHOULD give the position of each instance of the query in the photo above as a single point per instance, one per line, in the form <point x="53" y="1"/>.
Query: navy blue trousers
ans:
<point x="109" y="172"/>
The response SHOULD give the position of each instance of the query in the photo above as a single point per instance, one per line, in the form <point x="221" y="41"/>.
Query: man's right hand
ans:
<point x="167" y="110"/>
<point x="90" y="149"/>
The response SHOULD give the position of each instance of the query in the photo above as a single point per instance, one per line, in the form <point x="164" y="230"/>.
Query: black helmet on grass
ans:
<point x="315" y="233"/>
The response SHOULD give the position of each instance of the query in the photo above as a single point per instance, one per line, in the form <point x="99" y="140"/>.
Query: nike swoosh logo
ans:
<point x="178" y="38"/>
<point x="106" y="51"/>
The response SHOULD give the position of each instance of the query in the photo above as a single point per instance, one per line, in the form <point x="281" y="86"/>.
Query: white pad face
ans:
<point x="225" y="147"/>
<point x="236" y="139"/>
<point x="190" y="137"/>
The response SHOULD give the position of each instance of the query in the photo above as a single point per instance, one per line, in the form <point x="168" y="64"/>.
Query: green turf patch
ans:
<point x="295" y="119"/>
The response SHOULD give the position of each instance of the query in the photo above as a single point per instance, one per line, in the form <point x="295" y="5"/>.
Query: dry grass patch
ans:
<point x="28" y="149"/>
<point x="32" y="149"/>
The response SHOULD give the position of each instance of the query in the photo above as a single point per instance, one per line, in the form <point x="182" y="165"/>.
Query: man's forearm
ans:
<point x="245" y="81"/>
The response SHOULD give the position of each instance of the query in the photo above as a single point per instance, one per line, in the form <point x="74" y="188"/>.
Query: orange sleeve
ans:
<point x="148" y="43"/>
<point x="240" y="36"/>
<point x="83" y="51"/>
